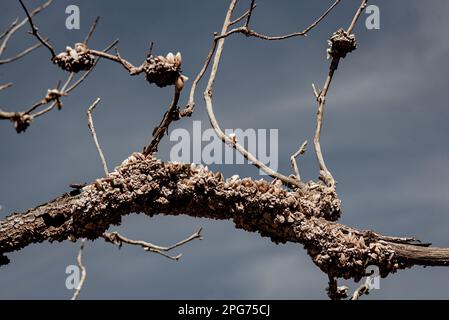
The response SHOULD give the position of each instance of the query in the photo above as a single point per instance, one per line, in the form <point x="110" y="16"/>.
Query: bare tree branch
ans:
<point x="22" y="120"/>
<point x="91" y="31"/>
<point x="188" y="111"/>
<point x="83" y="270"/>
<point x="117" y="58"/>
<point x="21" y="54"/>
<point x="90" y="123"/>
<point x="8" y="30"/>
<point x="118" y="239"/>
<point x="35" y="32"/>
<point x="250" y="12"/>
<point x="226" y="139"/>
<point x="5" y="86"/>
<point x="305" y="214"/>
<point x="251" y="33"/>
<point x="341" y="43"/>
<point x="360" y="291"/>
<point x="16" y="26"/>
<point x="243" y="16"/>
<point x="300" y="151"/>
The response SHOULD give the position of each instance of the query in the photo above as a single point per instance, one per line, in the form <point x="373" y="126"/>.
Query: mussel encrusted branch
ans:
<point x="147" y="185"/>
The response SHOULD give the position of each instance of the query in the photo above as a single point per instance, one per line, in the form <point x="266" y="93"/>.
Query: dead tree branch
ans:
<point x="119" y="240"/>
<point x="147" y="185"/>
<point x="251" y="33"/>
<point x="342" y="42"/>
<point x="5" y="86"/>
<point x="35" y="32"/>
<point x="83" y="270"/>
<point x="210" y="111"/>
<point x="15" y="26"/>
<point x="300" y="151"/>
<point x="22" y="120"/>
<point x="90" y="123"/>
<point x="360" y="291"/>
<point x="21" y="54"/>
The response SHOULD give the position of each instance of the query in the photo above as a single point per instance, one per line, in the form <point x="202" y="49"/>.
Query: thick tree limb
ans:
<point x="147" y="185"/>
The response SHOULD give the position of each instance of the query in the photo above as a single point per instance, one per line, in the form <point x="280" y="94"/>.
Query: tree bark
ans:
<point x="144" y="184"/>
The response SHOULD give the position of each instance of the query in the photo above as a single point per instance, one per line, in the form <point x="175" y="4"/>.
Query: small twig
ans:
<point x="251" y="33"/>
<point x="300" y="151"/>
<point x="150" y="50"/>
<point x="325" y="174"/>
<point x="72" y="87"/>
<point x="118" y="240"/>
<point x="243" y="16"/>
<point x="315" y="92"/>
<point x="6" y="86"/>
<point x="94" y="135"/>
<point x="250" y="12"/>
<point x="36" y="33"/>
<point x="357" y="15"/>
<point x="21" y="54"/>
<point x="79" y="260"/>
<point x="45" y="100"/>
<point x="16" y="26"/>
<point x="360" y="291"/>
<point x="91" y="31"/>
<point x="188" y="110"/>
<point x="213" y="120"/>
<point x="8" y="30"/>
<point x="160" y="130"/>
<point x="117" y="58"/>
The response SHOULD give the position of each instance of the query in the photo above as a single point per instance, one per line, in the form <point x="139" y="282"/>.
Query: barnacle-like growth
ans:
<point x="21" y="121"/>
<point x="75" y="60"/>
<point x="341" y="43"/>
<point x="163" y="71"/>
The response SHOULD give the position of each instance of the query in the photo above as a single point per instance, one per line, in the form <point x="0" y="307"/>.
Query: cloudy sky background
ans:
<point x="385" y="140"/>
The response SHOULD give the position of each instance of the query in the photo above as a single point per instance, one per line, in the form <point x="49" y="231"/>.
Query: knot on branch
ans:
<point x="163" y="71"/>
<point x="75" y="60"/>
<point x="341" y="43"/>
<point x="21" y="121"/>
<point x="54" y="95"/>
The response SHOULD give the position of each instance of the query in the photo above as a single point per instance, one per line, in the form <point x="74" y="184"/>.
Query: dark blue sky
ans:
<point x="385" y="140"/>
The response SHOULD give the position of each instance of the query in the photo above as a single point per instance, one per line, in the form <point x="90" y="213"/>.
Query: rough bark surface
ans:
<point x="147" y="185"/>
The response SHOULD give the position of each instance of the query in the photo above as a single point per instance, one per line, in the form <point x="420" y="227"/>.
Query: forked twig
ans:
<point x="325" y="174"/>
<point x="16" y="26"/>
<point x="251" y="33"/>
<point x="209" y="106"/>
<point x="300" y="151"/>
<point x="35" y="32"/>
<point x="118" y="240"/>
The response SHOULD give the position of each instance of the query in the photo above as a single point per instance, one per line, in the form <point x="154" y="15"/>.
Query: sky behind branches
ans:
<point x="384" y="139"/>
